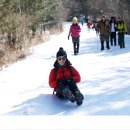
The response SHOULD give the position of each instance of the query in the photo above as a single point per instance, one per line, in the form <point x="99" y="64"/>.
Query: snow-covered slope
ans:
<point x="105" y="83"/>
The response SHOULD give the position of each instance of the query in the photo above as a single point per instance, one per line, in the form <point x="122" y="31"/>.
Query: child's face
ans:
<point x="74" y="21"/>
<point x="61" y="60"/>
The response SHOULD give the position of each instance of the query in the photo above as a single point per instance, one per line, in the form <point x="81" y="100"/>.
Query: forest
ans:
<point x="24" y="23"/>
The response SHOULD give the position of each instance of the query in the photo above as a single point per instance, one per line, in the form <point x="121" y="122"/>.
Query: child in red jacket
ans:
<point x="63" y="78"/>
<point x="74" y="32"/>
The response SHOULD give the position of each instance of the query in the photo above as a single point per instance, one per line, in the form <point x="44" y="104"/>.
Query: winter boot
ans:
<point x="68" y="95"/>
<point x="79" y="97"/>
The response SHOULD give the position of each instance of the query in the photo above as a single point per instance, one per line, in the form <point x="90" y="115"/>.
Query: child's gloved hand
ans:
<point x="70" y="81"/>
<point x="61" y="82"/>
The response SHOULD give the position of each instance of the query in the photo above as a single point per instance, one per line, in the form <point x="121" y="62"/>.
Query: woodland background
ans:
<point x="25" y="23"/>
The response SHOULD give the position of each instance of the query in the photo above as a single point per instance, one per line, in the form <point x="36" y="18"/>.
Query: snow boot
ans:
<point x="68" y="95"/>
<point x="79" y="97"/>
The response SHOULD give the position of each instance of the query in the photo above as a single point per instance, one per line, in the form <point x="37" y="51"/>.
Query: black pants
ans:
<point x="75" y="41"/>
<point x="59" y="90"/>
<point x="107" y="45"/>
<point x="113" y="37"/>
<point x="121" y="41"/>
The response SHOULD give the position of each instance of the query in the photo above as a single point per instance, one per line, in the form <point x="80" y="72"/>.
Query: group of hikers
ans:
<point x="111" y="30"/>
<point x="64" y="77"/>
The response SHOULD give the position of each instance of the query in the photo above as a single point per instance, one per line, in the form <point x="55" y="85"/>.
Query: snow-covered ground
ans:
<point x="25" y="93"/>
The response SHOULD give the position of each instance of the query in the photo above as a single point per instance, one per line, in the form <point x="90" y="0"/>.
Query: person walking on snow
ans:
<point x="104" y="31"/>
<point x="122" y="30"/>
<point x="113" y="29"/>
<point x="74" y="32"/>
<point x="64" y="78"/>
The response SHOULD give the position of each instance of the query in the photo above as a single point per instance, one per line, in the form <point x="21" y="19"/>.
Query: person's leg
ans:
<point x="123" y="40"/>
<point x="102" y="45"/>
<point x="74" y="47"/>
<point x="59" y="93"/>
<point x="63" y="92"/>
<point x="74" y="44"/>
<point x="102" y="41"/>
<point x="68" y="94"/>
<point x="119" y="38"/>
<point x="114" y="36"/>
<point x="77" y="48"/>
<point x="111" y="38"/>
<point x="107" y="45"/>
<point x="107" y="41"/>
<point x="78" y="40"/>
<point x="76" y="92"/>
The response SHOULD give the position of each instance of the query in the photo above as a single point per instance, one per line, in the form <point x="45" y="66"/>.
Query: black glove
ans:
<point x="70" y="81"/>
<point x="68" y="37"/>
<point x="61" y="82"/>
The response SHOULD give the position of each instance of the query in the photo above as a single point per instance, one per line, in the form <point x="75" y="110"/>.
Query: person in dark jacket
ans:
<point x="74" y="32"/>
<point x="104" y="31"/>
<point x="113" y="29"/>
<point x="64" y="78"/>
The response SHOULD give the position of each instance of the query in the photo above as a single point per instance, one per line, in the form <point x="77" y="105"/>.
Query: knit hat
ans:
<point x="75" y="19"/>
<point x="61" y="52"/>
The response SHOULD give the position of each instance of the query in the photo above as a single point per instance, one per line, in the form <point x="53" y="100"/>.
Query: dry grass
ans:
<point x="9" y="55"/>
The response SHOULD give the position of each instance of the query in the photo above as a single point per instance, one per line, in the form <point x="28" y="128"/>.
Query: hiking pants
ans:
<point x="113" y="37"/>
<point x="59" y="90"/>
<point x="75" y="41"/>
<point x="121" y="41"/>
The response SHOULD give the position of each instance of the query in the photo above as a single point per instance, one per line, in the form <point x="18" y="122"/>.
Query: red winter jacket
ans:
<point x="88" y="24"/>
<point x="74" y="30"/>
<point x="63" y="72"/>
